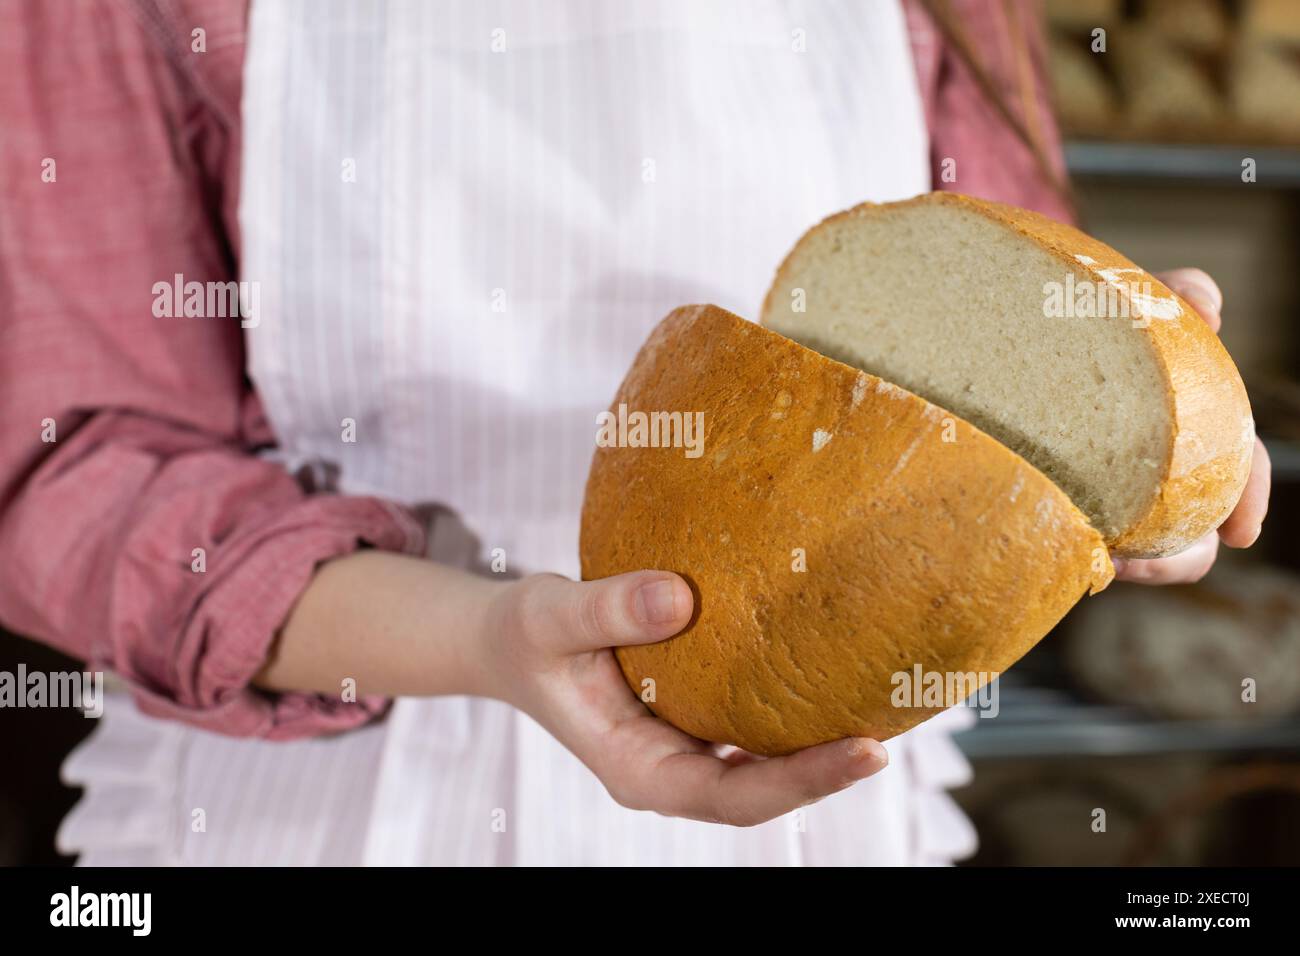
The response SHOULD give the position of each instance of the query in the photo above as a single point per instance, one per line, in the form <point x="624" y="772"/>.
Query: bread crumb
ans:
<point x="820" y="438"/>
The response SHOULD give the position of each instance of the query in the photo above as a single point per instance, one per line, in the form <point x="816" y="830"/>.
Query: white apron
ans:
<point x="465" y="218"/>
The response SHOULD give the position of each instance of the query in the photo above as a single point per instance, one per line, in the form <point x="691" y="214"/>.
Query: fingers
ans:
<point x="1239" y="531"/>
<point x="1200" y="291"/>
<point x="747" y="792"/>
<point x="640" y="607"/>
<point x="1242" y="527"/>
<point x="1191" y="565"/>
<point x="750" y="793"/>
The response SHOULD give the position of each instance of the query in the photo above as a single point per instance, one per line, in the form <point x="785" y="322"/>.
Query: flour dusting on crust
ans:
<point x="1144" y="303"/>
<point x="890" y="389"/>
<point x="860" y="388"/>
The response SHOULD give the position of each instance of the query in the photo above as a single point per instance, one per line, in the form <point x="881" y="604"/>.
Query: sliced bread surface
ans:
<point x="1045" y="338"/>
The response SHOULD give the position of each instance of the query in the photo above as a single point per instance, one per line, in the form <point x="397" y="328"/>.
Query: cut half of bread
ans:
<point x="1043" y="337"/>
<point x="861" y="558"/>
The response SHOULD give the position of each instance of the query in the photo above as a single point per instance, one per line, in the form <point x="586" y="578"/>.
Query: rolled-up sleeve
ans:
<point x="139" y="531"/>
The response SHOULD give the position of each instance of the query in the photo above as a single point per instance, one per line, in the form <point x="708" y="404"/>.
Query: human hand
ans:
<point x="1242" y="526"/>
<point x="549" y="644"/>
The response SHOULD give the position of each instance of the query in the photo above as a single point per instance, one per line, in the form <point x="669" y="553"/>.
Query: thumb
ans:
<point x="640" y="607"/>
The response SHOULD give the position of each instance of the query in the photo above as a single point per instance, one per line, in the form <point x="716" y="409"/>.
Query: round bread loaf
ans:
<point x="1049" y="340"/>
<point x="842" y="536"/>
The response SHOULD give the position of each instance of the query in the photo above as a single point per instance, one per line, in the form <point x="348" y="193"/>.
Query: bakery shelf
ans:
<point x="1277" y="167"/>
<point x="1042" y="714"/>
<point x="1048" y="722"/>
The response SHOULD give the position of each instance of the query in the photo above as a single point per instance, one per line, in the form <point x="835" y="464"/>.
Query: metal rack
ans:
<point x="1050" y="721"/>
<point x="1275" y="167"/>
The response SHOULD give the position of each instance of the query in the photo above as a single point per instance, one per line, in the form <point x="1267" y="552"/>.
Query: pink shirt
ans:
<point x="113" y="120"/>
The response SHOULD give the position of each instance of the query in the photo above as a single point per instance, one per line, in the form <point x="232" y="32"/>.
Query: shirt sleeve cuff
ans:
<point x="229" y="636"/>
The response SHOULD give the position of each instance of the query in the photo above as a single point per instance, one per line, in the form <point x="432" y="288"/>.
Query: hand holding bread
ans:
<point x="548" y="641"/>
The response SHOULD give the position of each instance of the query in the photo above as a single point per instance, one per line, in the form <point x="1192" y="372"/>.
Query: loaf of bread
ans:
<point x="1264" y="86"/>
<point x="1085" y="101"/>
<point x="1187" y="652"/>
<point x="836" y="531"/>
<point x="1196" y="24"/>
<point x="1083" y="15"/>
<point x="1272" y="20"/>
<point x="848" y="540"/>
<point x="1167" y="92"/>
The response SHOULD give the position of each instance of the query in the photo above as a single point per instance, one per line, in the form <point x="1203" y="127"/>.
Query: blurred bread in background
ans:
<point x="1083" y="15"/>
<point x="1163" y="87"/>
<point x="1183" y="652"/>
<point x="1277" y="20"/>
<point x="1085" y="101"/>
<point x="1203" y="71"/>
<point x="1193" y="24"/>
<point x="1265" y="91"/>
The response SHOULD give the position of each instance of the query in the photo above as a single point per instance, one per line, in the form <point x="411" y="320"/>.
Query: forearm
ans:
<point x="394" y="624"/>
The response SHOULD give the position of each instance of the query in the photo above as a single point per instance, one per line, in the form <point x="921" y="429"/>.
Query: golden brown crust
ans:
<point x="1207" y="462"/>
<point x="925" y="541"/>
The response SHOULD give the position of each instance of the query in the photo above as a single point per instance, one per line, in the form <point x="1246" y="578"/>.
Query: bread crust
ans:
<point x="926" y="542"/>
<point x="1207" y="460"/>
